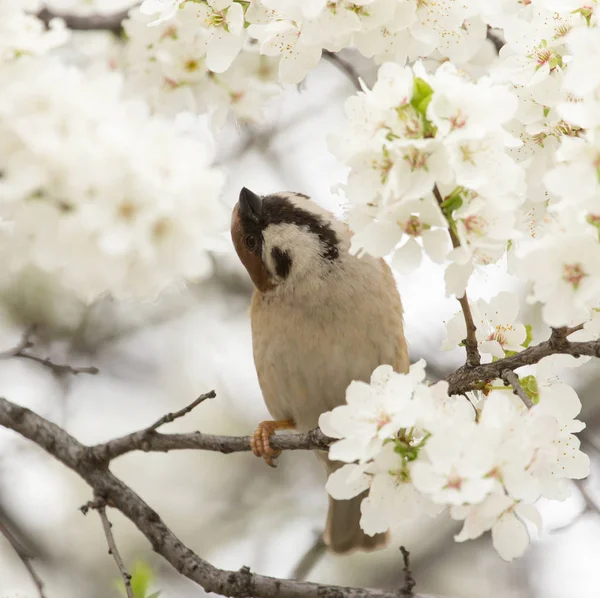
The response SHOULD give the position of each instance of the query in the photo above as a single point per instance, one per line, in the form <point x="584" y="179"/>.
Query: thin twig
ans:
<point x="25" y="557"/>
<point x="511" y="379"/>
<point x="60" y="368"/>
<point x="112" y="546"/>
<point x="346" y="67"/>
<point x="19" y="350"/>
<point x="24" y="343"/>
<point x="310" y="558"/>
<point x="166" y="419"/>
<point x="573" y="329"/>
<point x="498" y="43"/>
<point x="407" y="590"/>
<point x="471" y="346"/>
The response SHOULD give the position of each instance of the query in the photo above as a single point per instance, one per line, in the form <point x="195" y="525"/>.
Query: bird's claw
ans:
<point x="260" y="440"/>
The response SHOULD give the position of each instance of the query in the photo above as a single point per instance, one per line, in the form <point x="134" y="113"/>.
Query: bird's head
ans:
<point x="285" y="238"/>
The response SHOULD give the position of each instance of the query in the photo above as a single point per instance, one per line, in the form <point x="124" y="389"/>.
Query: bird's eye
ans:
<point x="251" y="242"/>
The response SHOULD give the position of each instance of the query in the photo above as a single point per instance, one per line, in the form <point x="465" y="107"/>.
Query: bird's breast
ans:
<point x="305" y="359"/>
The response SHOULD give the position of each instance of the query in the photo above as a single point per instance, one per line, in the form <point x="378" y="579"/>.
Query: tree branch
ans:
<point x="468" y="378"/>
<point x="100" y="506"/>
<point x="511" y="379"/>
<point x="25" y="559"/>
<point x="471" y="346"/>
<point x="409" y="581"/>
<point x="498" y="42"/>
<point x="173" y="416"/>
<point x="156" y="442"/>
<point x="59" y="369"/>
<point x="343" y="65"/>
<point x="95" y="22"/>
<point x="235" y="584"/>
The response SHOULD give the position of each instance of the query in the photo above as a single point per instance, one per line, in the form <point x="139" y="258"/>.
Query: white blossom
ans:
<point x="498" y="329"/>
<point x="97" y="192"/>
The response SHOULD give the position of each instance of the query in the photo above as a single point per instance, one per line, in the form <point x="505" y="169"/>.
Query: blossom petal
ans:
<point x="347" y="482"/>
<point x="510" y="537"/>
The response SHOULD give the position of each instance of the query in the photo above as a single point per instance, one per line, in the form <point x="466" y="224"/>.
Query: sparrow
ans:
<point x="320" y="318"/>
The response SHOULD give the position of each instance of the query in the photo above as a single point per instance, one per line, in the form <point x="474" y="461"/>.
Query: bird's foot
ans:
<point x="259" y="441"/>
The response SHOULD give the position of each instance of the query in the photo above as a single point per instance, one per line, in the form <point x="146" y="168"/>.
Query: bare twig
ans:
<point x="511" y="379"/>
<point x="100" y="506"/>
<point x="235" y="584"/>
<point x="498" y="43"/>
<point x="573" y="329"/>
<point x="471" y="346"/>
<point x="25" y="342"/>
<point x="409" y="580"/>
<point x="343" y="65"/>
<point x="166" y="419"/>
<point x="25" y="557"/>
<point x="310" y="558"/>
<point x="59" y="369"/>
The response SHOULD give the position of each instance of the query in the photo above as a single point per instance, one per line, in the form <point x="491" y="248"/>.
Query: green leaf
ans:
<point x="141" y="578"/>
<point x="530" y="386"/>
<point x="421" y="91"/>
<point x="452" y="202"/>
<point x="529" y="336"/>
<point x="422" y="94"/>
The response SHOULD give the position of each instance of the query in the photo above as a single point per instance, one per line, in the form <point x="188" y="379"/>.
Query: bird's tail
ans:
<point x="343" y="533"/>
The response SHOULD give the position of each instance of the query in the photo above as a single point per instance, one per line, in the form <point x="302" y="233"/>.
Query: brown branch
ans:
<point x="59" y="369"/>
<point x="498" y="42"/>
<point x="471" y="346"/>
<point x="468" y="378"/>
<point x="311" y="557"/>
<point x="346" y="67"/>
<point x="236" y="584"/>
<point x="156" y="442"/>
<point x="409" y="581"/>
<point x="511" y="379"/>
<point x="100" y="506"/>
<point x="95" y="22"/>
<point x="166" y="419"/>
<point x="25" y="557"/>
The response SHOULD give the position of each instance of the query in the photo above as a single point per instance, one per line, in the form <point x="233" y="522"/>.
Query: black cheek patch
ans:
<point x="283" y="262"/>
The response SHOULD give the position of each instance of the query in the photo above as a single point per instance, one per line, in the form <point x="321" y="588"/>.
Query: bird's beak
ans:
<point x="250" y="205"/>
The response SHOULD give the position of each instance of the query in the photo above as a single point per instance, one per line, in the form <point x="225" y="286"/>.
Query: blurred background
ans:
<point x="233" y="510"/>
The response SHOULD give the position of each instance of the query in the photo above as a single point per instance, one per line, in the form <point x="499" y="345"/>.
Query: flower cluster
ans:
<point x="416" y="449"/>
<point x="506" y="164"/>
<point x="427" y="152"/>
<point x="93" y="190"/>
<point x="298" y="32"/>
<point x="499" y="333"/>
<point x="180" y="64"/>
<point x="22" y="33"/>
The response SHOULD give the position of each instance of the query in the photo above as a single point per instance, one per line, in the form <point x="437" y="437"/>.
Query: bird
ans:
<point x="320" y="318"/>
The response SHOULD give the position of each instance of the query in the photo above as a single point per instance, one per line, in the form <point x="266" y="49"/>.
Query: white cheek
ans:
<point x="303" y="247"/>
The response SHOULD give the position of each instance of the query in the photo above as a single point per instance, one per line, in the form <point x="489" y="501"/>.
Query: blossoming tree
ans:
<point x="470" y="156"/>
